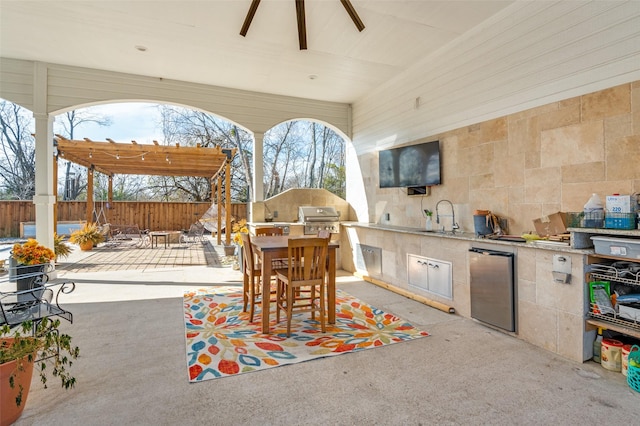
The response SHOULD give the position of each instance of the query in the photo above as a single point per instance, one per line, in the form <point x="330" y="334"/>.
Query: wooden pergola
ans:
<point x="111" y="158"/>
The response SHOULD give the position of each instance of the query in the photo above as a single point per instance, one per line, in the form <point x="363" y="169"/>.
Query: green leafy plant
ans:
<point x="49" y="349"/>
<point x="89" y="232"/>
<point x="428" y="213"/>
<point x="60" y="248"/>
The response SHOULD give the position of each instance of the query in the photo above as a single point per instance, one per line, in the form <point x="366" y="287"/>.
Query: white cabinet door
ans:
<point x="430" y="275"/>
<point x="439" y="278"/>
<point x="417" y="266"/>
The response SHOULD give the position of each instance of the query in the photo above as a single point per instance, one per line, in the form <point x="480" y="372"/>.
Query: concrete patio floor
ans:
<point x="128" y="323"/>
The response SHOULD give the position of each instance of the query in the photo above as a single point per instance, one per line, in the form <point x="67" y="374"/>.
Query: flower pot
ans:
<point x="229" y="250"/>
<point x="86" y="246"/>
<point x="22" y="370"/>
<point x="31" y="278"/>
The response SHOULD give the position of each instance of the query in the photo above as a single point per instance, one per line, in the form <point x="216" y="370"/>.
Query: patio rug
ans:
<point x="221" y="342"/>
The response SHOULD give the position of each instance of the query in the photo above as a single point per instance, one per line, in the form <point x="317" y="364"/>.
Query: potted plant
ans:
<point x="60" y="248"/>
<point x="237" y="228"/>
<point x="42" y="346"/>
<point x="87" y="236"/>
<point x="30" y="258"/>
<point x="429" y="223"/>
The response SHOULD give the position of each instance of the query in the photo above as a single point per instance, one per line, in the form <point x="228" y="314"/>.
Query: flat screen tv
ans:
<point x="414" y="165"/>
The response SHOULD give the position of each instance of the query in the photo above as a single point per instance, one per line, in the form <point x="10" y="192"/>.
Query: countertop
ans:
<point x="467" y="236"/>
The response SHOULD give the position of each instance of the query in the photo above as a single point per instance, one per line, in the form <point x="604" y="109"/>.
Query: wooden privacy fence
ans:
<point x="153" y="215"/>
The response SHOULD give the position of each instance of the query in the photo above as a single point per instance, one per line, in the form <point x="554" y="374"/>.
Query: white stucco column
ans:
<point x="258" y="167"/>
<point x="257" y="197"/>
<point x="44" y="198"/>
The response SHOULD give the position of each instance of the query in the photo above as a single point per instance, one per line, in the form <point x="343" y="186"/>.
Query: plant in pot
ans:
<point x="87" y="237"/>
<point x="429" y="222"/>
<point x="31" y="259"/>
<point x="237" y="228"/>
<point x="41" y="346"/>
<point x="60" y="248"/>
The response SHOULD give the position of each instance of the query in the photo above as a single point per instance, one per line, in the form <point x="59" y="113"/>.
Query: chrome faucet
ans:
<point x="454" y="224"/>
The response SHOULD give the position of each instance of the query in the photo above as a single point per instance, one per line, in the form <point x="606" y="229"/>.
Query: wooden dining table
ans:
<point x="269" y="248"/>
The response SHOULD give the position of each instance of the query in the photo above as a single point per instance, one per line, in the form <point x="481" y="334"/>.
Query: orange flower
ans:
<point x="32" y="253"/>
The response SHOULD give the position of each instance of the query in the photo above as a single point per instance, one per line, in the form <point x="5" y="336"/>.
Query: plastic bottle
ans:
<point x="594" y="212"/>
<point x="597" y="346"/>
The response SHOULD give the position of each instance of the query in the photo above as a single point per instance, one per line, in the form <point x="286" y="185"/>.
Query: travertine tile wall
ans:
<point x="533" y="163"/>
<point x="284" y="206"/>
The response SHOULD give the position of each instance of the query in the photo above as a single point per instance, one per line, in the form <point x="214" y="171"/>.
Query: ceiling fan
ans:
<point x="302" y="26"/>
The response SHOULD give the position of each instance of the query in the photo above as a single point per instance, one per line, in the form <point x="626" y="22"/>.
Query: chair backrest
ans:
<point x="307" y="258"/>
<point x="247" y="258"/>
<point x="196" y="229"/>
<point x="269" y="231"/>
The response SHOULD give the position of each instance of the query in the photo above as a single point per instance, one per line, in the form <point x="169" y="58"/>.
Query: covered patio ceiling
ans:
<point x="112" y="158"/>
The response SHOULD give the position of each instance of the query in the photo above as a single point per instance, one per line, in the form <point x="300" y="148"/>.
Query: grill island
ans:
<point x="316" y="219"/>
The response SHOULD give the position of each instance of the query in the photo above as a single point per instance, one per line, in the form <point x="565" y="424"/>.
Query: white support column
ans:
<point x="258" y="167"/>
<point x="258" y="175"/>
<point x="44" y="198"/>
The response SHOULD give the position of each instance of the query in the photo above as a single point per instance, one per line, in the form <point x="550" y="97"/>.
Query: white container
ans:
<point x="625" y="359"/>
<point x="620" y="247"/>
<point x="621" y="203"/>
<point x="628" y="312"/>
<point x="611" y="355"/>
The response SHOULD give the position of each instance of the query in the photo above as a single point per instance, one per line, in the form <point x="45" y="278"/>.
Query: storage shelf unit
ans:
<point x="600" y="269"/>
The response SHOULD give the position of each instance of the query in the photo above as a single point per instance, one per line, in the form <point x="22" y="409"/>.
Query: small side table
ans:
<point x="156" y="235"/>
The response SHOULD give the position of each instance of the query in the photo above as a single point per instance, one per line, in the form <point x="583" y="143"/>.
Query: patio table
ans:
<point x="156" y="235"/>
<point x="276" y="247"/>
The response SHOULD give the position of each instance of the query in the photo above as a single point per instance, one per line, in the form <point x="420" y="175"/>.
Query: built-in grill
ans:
<point x="315" y="219"/>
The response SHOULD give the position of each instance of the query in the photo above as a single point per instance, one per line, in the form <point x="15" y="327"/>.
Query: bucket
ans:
<point x="611" y="354"/>
<point x="633" y="375"/>
<point x="625" y="359"/>
<point x="482" y="223"/>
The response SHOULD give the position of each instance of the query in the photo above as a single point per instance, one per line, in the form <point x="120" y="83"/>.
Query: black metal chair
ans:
<point x="33" y="300"/>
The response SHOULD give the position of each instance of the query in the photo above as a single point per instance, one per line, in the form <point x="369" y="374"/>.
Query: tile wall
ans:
<point x="529" y="164"/>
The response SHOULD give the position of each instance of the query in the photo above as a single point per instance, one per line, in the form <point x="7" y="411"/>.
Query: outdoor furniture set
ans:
<point x="305" y="281"/>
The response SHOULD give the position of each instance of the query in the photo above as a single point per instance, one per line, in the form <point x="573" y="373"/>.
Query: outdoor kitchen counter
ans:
<point x="549" y="314"/>
<point x="466" y="236"/>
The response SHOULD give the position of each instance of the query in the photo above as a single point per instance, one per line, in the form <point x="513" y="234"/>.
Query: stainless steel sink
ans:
<point x="510" y="238"/>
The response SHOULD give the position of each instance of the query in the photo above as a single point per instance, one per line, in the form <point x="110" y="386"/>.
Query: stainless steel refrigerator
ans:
<point x="492" y="287"/>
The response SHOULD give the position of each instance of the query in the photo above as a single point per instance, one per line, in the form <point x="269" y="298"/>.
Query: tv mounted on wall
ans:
<point x="410" y="166"/>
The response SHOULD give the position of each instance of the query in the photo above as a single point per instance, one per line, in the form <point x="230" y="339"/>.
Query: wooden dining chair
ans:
<point x="274" y="230"/>
<point x="301" y="287"/>
<point x="269" y="231"/>
<point x="252" y="290"/>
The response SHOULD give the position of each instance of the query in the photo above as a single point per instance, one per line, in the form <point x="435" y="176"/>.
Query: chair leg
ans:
<point x="252" y="296"/>
<point x="278" y="299"/>
<point x="312" y="301"/>
<point x="289" y="309"/>
<point x="322" y="308"/>
<point x="245" y="293"/>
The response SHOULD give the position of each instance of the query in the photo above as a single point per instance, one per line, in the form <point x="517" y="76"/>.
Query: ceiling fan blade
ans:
<point x="249" y="17"/>
<point x="302" y="26"/>
<point x="354" y="15"/>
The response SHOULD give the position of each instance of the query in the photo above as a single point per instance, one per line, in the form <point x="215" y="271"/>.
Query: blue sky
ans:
<point x="130" y="121"/>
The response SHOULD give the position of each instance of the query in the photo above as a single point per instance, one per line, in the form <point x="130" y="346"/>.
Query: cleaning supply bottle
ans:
<point x="594" y="212"/>
<point x="597" y="346"/>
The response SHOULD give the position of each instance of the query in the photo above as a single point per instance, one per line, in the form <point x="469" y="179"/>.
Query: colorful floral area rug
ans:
<point x="221" y="341"/>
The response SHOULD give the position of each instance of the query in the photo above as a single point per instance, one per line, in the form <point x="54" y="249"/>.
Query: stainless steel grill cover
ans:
<point x="316" y="218"/>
